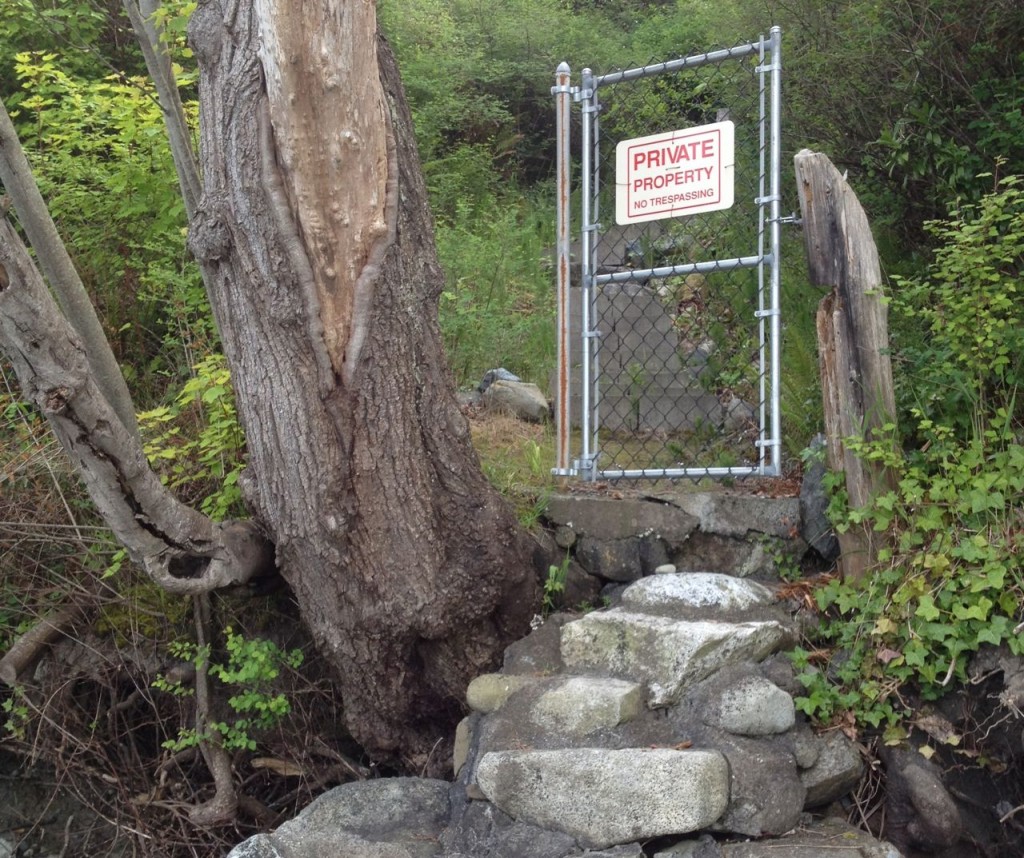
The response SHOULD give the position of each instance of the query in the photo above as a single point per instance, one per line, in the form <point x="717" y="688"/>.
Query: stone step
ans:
<point x="665" y="654"/>
<point x="607" y="797"/>
<point x="711" y="592"/>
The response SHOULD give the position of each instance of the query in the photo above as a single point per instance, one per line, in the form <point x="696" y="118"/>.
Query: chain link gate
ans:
<point x="677" y="310"/>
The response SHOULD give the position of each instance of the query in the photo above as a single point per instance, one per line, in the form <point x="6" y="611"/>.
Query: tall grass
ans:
<point x="498" y="306"/>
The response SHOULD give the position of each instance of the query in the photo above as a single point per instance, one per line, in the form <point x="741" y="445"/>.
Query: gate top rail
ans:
<point x="692" y="61"/>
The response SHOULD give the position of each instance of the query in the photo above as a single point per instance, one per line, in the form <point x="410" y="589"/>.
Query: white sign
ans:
<point x="674" y="174"/>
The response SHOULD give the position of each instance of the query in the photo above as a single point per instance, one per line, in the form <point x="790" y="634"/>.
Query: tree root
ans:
<point x="27" y="649"/>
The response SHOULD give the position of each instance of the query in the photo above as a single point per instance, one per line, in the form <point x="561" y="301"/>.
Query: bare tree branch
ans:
<point x="180" y="549"/>
<point x="158" y="62"/>
<point x="222" y="808"/>
<point x="24" y="652"/>
<point x="60" y="272"/>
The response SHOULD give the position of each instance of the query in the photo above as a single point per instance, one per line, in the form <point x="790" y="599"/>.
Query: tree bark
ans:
<point x="24" y="652"/>
<point x="181" y="550"/>
<point x="59" y="270"/>
<point x="853" y="340"/>
<point x="141" y="14"/>
<point x="316" y="243"/>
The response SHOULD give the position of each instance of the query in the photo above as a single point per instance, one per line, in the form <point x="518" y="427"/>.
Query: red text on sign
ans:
<point x="668" y="156"/>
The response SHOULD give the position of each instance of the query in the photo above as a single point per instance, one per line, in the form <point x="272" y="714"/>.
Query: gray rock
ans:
<point x="836" y="770"/>
<point x="611" y="559"/>
<point x="711" y="591"/>
<point x="766" y="795"/>
<point x="461" y="745"/>
<point x="705" y="847"/>
<point x="828" y="838"/>
<point x="806" y="747"/>
<point x="920" y="813"/>
<point x="565" y="536"/>
<point x="387" y="818"/>
<point x="605" y="518"/>
<point x="493" y="375"/>
<point x="665" y="654"/>
<point x="756" y="707"/>
<point x="539" y="653"/>
<point x="731" y="555"/>
<point x="581" y="589"/>
<point x="653" y="553"/>
<point x="488" y="693"/>
<point x="604" y="797"/>
<point x="257" y="846"/>
<point x="483" y="831"/>
<point x="739" y="515"/>
<point x="518" y="398"/>
<point x="628" y="850"/>
<point x="320" y="844"/>
<point x="583" y="704"/>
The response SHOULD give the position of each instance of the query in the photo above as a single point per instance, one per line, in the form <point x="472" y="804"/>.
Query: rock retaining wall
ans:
<point x="663" y="725"/>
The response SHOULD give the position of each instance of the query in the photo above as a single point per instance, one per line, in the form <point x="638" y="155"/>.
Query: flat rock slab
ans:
<point x="488" y="693"/>
<point x="581" y="705"/>
<point x="826" y="839"/>
<point x="320" y="844"/>
<point x="606" y="518"/>
<point x="386" y="818"/>
<point x="713" y="591"/>
<point x="736" y="514"/>
<point x="665" y="654"/>
<point x="607" y="797"/>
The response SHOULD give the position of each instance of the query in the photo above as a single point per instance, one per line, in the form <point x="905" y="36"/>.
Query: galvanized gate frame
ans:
<point x="766" y="260"/>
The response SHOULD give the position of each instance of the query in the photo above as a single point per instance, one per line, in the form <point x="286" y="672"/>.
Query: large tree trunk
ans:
<point x="316" y="242"/>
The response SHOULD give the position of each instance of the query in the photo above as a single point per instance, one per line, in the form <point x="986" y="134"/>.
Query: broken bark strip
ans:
<point x="27" y="649"/>
<point x="56" y="264"/>
<point x="180" y="549"/>
<point x="150" y="34"/>
<point x="853" y="340"/>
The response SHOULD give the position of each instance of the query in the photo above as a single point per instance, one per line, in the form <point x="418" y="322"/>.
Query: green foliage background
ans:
<point x="921" y="101"/>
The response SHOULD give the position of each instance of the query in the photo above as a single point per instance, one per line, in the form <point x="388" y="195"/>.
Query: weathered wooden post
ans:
<point x="853" y="339"/>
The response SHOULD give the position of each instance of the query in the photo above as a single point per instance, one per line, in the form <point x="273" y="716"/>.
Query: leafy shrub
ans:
<point x="950" y="578"/>
<point x="197" y="444"/>
<point x="100" y="154"/>
<point x="961" y="359"/>
<point x="251" y="667"/>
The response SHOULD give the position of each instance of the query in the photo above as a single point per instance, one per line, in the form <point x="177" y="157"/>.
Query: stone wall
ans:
<point x="661" y="725"/>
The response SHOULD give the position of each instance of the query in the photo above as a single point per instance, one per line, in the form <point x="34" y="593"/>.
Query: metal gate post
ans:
<point x="776" y="195"/>
<point x="588" y="421"/>
<point x="562" y="92"/>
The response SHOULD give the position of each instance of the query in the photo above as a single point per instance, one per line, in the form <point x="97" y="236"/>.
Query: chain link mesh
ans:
<point x="680" y="374"/>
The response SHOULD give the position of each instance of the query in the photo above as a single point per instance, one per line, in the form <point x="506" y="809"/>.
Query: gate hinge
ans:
<point x="586" y="467"/>
<point x="790" y="218"/>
